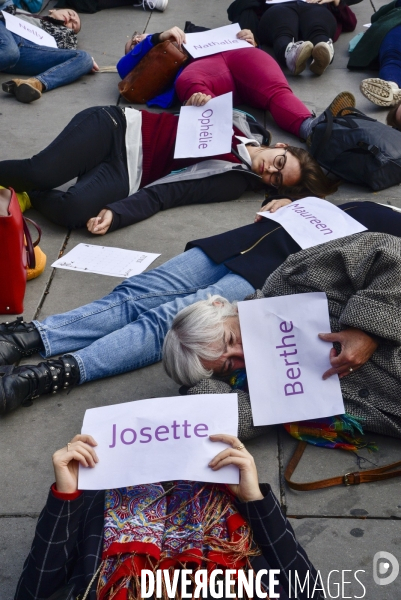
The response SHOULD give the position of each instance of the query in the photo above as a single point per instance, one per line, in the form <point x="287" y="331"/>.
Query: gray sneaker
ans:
<point x="297" y="55"/>
<point x="323" y="54"/>
<point x="159" y="5"/>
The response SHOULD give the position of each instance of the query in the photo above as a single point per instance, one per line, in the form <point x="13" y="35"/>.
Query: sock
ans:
<point x="23" y="200"/>
<point x="307" y="126"/>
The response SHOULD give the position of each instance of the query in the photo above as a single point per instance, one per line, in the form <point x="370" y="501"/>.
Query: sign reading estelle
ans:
<point x="312" y="221"/>
<point x="205" y="130"/>
<point x="28" y="31"/>
<point x="214" y="41"/>
<point x="285" y="359"/>
<point x="160" y="439"/>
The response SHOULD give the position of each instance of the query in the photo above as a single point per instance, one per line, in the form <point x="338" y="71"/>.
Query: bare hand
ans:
<point x="95" y="66"/>
<point x="66" y="461"/>
<point x="272" y="206"/>
<point x="198" y="99"/>
<point x="100" y="225"/>
<point x="356" y="349"/>
<point x="175" y="34"/>
<point x="248" y="488"/>
<point x="247" y="36"/>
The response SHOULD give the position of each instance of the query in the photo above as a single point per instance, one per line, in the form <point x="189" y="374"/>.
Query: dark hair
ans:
<point x="391" y="117"/>
<point x="313" y="180"/>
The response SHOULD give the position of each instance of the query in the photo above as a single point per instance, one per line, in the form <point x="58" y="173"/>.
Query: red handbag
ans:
<point x="16" y="254"/>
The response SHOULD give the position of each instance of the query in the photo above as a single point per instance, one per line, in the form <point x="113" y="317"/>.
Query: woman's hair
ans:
<point x="313" y="180"/>
<point x="197" y="333"/>
<point x="391" y="117"/>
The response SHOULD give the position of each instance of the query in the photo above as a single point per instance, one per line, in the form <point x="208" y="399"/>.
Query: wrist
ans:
<point x="63" y="494"/>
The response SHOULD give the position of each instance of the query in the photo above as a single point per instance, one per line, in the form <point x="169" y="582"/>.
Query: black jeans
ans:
<point x="282" y="23"/>
<point x="92" y="148"/>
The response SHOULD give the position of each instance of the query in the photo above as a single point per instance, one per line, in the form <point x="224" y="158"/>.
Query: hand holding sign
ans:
<point x="205" y="130"/>
<point x="356" y="349"/>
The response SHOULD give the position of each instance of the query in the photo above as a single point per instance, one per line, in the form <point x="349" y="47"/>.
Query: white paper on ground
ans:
<point x="205" y="130"/>
<point x="160" y="439"/>
<point x="285" y="359"/>
<point x="214" y="41"/>
<point x="312" y="221"/>
<point x="105" y="260"/>
<point x="28" y="31"/>
<point x="281" y="1"/>
<point x="367" y="25"/>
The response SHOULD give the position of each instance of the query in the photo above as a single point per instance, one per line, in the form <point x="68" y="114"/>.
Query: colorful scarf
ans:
<point x="341" y="431"/>
<point x="146" y="528"/>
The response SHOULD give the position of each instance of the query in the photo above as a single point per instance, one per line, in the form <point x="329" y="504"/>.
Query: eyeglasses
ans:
<point x="276" y="178"/>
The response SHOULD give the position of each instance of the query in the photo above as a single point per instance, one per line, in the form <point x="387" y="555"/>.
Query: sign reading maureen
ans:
<point x="28" y="31"/>
<point x="161" y="439"/>
<point x="312" y="221"/>
<point x="205" y="130"/>
<point x="214" y="41"/>
<point x="285" y="359"/>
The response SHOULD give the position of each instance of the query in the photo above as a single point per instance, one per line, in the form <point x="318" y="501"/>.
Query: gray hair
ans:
<point x="197" y="333"/>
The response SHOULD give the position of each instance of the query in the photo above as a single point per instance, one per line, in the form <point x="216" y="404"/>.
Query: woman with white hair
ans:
<point x="360" y="275"/>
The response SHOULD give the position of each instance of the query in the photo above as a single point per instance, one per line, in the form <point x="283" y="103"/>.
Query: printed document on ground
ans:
<point x="105" y="260"/>
<point x="215" y="41"/>
<point x="28" y="31"/>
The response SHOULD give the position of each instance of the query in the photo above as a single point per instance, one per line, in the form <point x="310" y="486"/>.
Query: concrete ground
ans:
<point x="342" y="528"/>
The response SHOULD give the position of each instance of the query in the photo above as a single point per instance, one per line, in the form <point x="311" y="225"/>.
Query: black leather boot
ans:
<point x="18" y="340"/>
<point x="20" y="385"/>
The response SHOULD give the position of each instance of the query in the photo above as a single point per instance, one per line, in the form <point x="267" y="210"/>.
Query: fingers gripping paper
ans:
<point x="160" y="439"/>
<point x="285" y="359"/>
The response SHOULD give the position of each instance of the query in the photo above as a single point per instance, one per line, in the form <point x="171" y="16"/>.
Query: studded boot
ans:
<point x="18" y="340"/>
<point x="19" y="386"/>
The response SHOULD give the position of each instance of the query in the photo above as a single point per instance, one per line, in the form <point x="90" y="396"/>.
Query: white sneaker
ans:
<point x="160" y="5"/>
<point x="323" y="54"/>
<point x="297" y="55"/>
<point x="381" y="92"/>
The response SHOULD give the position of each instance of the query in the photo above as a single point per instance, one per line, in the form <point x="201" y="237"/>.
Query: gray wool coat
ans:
<point x="361" y="275"/>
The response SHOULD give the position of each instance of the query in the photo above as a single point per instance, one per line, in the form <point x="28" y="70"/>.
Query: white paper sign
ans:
<point x="160" y="439"/>
<point x="281" y="1"/>
<point x="285" y="359"/>
<point x="312" y="221"/>
<point x="105" y="260"/>
<point x="28" y="31"/>
<point x="205" y="130"/>
<point x="214" y="41"/>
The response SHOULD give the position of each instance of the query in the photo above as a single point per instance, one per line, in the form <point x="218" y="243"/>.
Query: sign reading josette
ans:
<point x="214" y="41"/>
<point x="160" y="439"/>
<point x="285" y="359"/>
<point x="205" y="130"/>
<point x="312" y="221"/>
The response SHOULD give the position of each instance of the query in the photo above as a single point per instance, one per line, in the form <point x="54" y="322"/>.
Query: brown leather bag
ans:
<point x="155" y="72"/>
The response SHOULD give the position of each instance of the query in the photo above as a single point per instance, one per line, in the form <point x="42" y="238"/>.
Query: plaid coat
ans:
<point x="68" y="544"/>
<point x="361" y="275"/>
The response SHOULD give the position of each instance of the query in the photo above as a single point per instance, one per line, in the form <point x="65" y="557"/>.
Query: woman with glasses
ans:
<point x="124" y="161"/>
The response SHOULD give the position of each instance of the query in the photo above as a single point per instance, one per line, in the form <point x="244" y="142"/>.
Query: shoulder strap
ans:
<point x="378" y="474"/>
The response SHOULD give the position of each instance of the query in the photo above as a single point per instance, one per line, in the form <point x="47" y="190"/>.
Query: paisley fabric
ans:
<point x="146" y="528"/>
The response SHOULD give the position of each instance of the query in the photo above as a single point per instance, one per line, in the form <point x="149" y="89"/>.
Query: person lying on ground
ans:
<point x="360" y="275"/>
<point x="47" y="68"/>
<point x="125" y="330"/>
<point x="380" y="48"/>
<point x="115" y="152"/>
<point x="297" y="31"/>
<point x="92" y="6"/>
<point x="71" y="532"/>
<point x="252" y="75"/>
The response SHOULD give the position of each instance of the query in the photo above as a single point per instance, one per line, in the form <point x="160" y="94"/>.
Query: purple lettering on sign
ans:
<point x="200" y="427"/>
<point x="161" y="429"/>
<point x="122" y="436"/>
<point x="284" y="327"/>
<point x="147" y="435"/>
<point x="291" y="389"/>
<point x="293" y="373"/>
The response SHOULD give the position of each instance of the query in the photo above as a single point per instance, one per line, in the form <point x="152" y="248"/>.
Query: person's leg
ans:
<point x="209" y="75"/>
<point x="90" y="138"/>
<point x="140" y="343"/>
<point x="318" y="25"/>
<point x="261" y="83"/>
<point x="278" y="27"/>
<point x="53" y="67"/>
<point x="181" y="276"/>
<point x="390" y="56"/>
<point x="9" y="52"/>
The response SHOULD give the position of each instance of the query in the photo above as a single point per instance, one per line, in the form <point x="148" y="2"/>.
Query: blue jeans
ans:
<point x="126" y="329"/>
<point x="52" y="66"/>
<point x="390" y="56"/>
